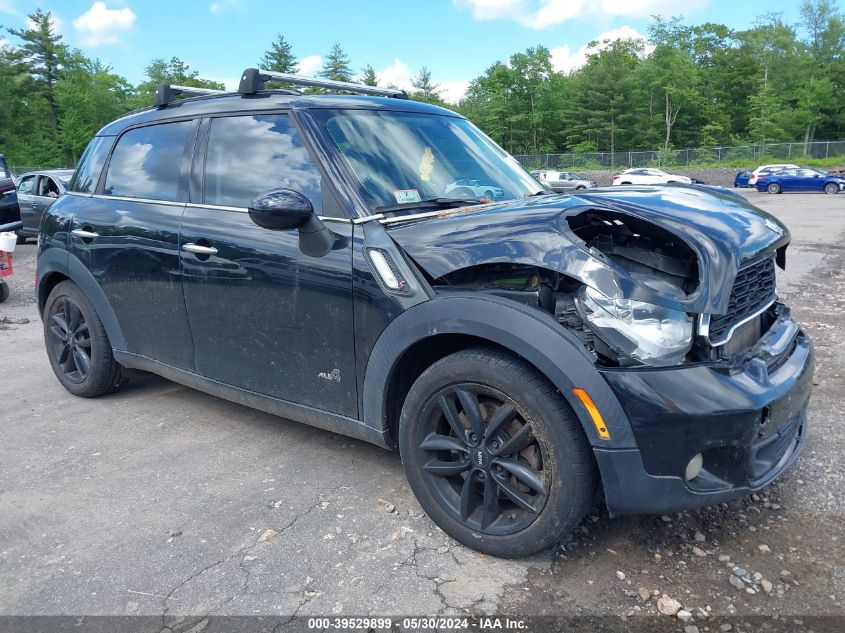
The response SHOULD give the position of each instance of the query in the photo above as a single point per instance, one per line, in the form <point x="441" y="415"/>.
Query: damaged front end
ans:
<point x="654" y="278"/>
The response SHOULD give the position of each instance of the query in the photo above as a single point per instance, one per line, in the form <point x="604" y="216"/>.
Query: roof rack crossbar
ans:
<point x="165" y="93"/>
<point x="253" y="80"/>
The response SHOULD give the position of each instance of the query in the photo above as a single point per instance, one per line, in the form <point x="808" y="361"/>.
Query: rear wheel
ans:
<point x="773" y="187"/>
<point x="831" y="187"/>
<point x="494" y="455"/>
<point x="77" y="344"/>
<point x="580" y="188"/>
<point x="21" y="238"/>
<point x="4" y="291"/>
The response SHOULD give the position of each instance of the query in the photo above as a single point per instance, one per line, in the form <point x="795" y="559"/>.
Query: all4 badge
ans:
<point x="333" y="375"/>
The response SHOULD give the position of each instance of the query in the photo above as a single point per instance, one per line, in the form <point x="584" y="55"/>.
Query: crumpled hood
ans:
<point x="722" y="229"/>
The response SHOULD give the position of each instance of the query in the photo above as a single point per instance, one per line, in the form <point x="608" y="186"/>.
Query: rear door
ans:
<point x="264" y="316"/>
<point x="26" y="201"/>
<point x="127" y="235"/>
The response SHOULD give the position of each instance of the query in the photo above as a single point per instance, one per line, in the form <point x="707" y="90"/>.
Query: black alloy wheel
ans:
<point x="69" y="340"/>
<point x="481" y="459"/>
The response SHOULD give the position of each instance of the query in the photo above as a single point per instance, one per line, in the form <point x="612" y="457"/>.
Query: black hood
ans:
<point x="722" y="229"/>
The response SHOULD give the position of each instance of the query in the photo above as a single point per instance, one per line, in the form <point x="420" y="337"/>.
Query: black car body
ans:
<point x="342" y="323"/>
<point x="37" y="190"/>
<point x="9" y="210"/>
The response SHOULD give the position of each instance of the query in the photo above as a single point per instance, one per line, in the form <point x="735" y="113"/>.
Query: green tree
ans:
<point x="424" y="89"/>
<point x="175" y="71"/>
<point x="337" y="66"/>
<point x="368" y="76"/>
<point x="279" y="57"/>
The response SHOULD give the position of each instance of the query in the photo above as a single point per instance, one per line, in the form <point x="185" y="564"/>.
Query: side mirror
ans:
<point x="281" y="210"/>
<point x="285" y="209"/>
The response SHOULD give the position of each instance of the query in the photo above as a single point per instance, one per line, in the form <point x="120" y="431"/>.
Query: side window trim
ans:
<point x="184" y="169"/>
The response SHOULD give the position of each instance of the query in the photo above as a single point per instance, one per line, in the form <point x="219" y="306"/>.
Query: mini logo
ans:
<point x="333" y="375"/>
<point x="773" y="226"/>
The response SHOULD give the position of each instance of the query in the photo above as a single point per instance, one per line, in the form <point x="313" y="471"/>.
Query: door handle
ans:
<point x="85" y="235"/>
<point x="198" y="249"/>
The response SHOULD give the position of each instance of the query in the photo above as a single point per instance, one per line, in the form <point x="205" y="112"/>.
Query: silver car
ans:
<point x="563" y="180"/>
<point x="37" y="190"/>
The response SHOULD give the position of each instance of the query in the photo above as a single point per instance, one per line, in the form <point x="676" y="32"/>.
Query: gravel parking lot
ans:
<point x="163" y="501"/>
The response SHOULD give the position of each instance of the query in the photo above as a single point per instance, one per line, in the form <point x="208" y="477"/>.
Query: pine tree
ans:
<point x="368" y="76"/>
<point x="426" y="90"/>
<point x="279" y="57"/>
<point x="337" y="66"/>
<point x="42" y="51"/>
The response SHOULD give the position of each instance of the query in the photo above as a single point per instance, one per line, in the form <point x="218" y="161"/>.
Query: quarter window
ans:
<point x="147" y="162"/>
<point x="90" y="166"/>
<point x="248" y="155"/>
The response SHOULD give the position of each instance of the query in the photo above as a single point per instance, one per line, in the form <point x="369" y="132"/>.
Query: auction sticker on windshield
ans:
<point x="406" y="195"/>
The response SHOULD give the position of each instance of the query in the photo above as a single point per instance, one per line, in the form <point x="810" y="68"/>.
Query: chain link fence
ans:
<point x="750" y="155"/>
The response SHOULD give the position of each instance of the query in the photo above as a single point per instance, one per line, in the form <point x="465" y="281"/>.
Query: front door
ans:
<point x="26" y="202"/>
<point x="127" y="235"/>
<point x="264" y="316"/>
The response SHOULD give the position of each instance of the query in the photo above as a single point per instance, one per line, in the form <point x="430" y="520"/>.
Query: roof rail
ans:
<point x="253" y="80"/>
<point x="165" y="93"/>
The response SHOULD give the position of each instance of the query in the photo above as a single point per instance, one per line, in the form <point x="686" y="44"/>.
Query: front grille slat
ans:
<point x="753" y="290"/>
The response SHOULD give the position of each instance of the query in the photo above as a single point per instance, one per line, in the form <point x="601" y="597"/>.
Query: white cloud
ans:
<point x="540" y="14"/>
<point x="101" y="25"/>
<point x="397" y="74"/>
<point x="4" y="44"/>
<point x="220" y="6"/>
<point x="7" y="6"/>
<point x="453" y="91"/>
<point x="309" y="65"/>
<point x="565" y="61"/>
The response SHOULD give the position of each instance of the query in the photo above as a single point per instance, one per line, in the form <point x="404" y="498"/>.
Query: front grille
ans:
<point x="745" y="336"/>
<point x="754" y="289"/>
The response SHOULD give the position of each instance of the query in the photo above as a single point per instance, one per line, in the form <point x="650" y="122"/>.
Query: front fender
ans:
<point x="527" y="332"/>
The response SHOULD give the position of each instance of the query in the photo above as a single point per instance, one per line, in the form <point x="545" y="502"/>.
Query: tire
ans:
<point x="773" y="187"/>
<point x="73" y="332"/>
<point x="488" y="194"/>
<point x="4" y="291"/>
<point x="580" y="188"/>
<point x="831" y="188"/>
<point x="21" y="238"/>
<point x="538" y="453"/>
<point x="625" y="183"/>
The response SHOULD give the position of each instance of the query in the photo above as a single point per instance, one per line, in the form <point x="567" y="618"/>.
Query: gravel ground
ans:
<point x="165" y="502"/>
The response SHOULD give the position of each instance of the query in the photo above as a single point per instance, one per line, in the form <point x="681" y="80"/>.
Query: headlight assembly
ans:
<point x="649" y="333"/>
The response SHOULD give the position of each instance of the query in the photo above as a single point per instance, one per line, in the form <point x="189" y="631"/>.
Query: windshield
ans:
<point x="407" y="157"/>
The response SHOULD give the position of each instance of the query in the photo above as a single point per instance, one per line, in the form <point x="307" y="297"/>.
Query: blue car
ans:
<point x="741" y="179"/>
<point x="802" y="180"/>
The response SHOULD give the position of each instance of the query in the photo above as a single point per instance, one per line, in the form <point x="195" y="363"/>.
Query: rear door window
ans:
<point x="90" y="166"/>
<point x="147" y="162"/>
<point x="248" y="155"/>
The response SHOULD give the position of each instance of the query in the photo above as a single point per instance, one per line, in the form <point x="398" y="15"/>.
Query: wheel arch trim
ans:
<point x="57" y="260"/>
<point x="524" y="331"/>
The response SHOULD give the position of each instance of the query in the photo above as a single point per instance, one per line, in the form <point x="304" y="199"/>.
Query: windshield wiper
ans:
<point x="430" y="203"/>
<point x="542" y="192"/>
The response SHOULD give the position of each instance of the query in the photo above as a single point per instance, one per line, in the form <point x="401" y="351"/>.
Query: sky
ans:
<point x="456" y="39"/>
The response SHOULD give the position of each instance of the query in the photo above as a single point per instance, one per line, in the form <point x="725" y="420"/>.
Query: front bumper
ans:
<point x="748" y="418"/>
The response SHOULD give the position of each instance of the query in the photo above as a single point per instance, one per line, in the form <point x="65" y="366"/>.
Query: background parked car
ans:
<point x="469" y="188"/>
<point x="647" y="176"/>
<point x="801" y="179"/>
<point x="768" y="169"/>
<point x="741" y="179"/>
<point x="9" y="209"/>
<point x="563" y="180"/>
<point x="37" y="190"/>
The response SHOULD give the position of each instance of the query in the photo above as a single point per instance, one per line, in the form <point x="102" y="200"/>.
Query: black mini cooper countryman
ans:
<point x="322" y="257"/>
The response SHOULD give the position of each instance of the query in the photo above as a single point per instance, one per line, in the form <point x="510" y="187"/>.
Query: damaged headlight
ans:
<point x="646" y="332"/>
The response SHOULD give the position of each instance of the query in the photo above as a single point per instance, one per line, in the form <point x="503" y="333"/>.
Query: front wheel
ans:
<point x="77" y="344"/>
<point x="773" y="187"/>
<point x="494" y="454"/>
<point x="21" y="238"/>
<point x="831" y="188"/>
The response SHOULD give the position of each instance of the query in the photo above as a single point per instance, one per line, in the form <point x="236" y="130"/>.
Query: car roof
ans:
<point x="57" y="173"/>
<point x="267" y="100"/>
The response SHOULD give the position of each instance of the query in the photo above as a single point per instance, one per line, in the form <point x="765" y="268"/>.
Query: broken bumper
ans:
<point x="748" y="420"/>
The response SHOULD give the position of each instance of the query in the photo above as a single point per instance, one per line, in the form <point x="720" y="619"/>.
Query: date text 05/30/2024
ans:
<point x="419" y="624"/>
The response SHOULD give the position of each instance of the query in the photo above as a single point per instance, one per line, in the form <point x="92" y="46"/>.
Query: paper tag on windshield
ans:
<point x="406" y="195"/>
